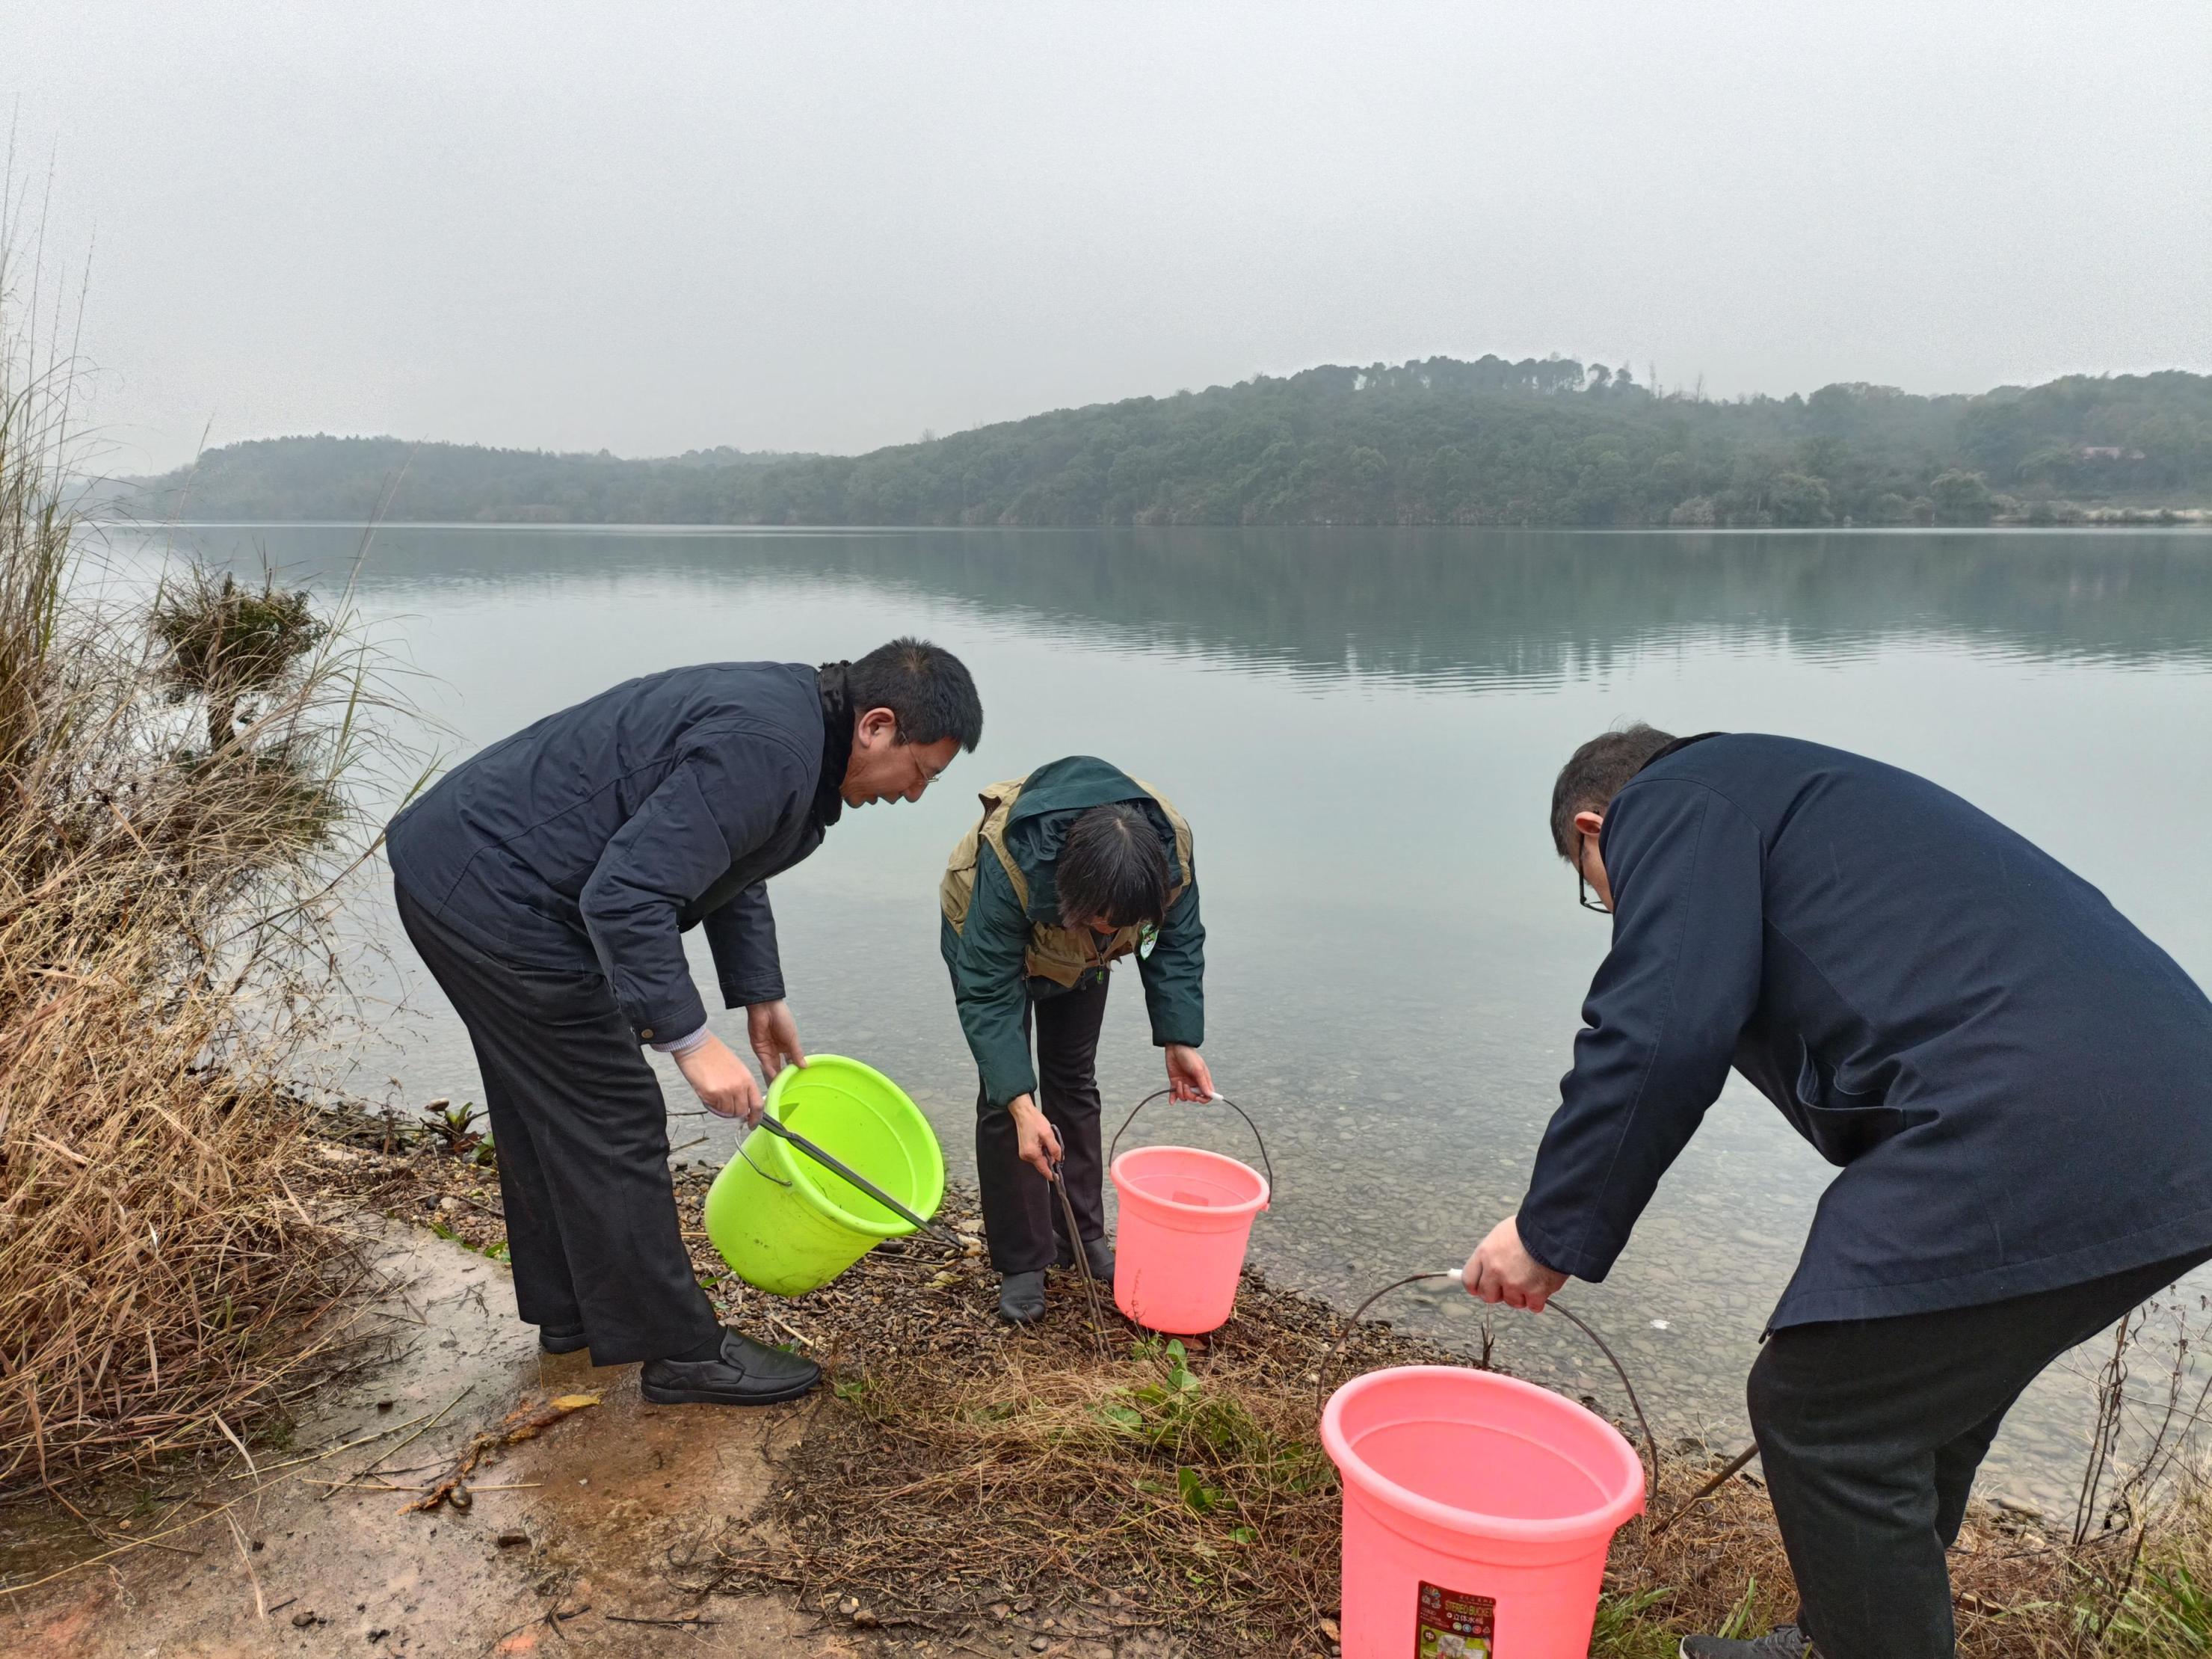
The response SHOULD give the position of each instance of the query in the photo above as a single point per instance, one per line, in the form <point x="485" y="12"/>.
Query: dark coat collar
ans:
<point x="837" y="721"/>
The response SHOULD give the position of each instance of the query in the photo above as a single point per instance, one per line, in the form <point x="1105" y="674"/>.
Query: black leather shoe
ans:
<point x="1099" y="1254"/>
<point x="746" y="1374"/>
<point x="1021" y="1299"/>
<point x="562" y="1339"/>
<point x="1783" y="1642"/>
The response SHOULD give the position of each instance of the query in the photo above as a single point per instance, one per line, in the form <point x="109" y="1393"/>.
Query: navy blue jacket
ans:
<point x="595" y="837"/>
<point x="2016" y="1083"/>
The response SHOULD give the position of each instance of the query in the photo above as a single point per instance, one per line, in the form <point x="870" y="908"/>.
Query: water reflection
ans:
<point x="1457" y="609"/>
<point x="1363" y="726"/>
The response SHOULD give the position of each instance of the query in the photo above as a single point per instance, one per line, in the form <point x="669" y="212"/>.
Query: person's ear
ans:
<point x="875" y="728"/>
<point x="1589" y="823"/>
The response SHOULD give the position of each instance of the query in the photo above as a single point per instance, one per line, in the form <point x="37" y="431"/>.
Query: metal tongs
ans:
<point x="845" y="1172"/>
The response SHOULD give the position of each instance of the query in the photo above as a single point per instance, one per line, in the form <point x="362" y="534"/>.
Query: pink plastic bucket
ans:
<point x="1478" y="1510"/>
<point x="1179" y="1243"/>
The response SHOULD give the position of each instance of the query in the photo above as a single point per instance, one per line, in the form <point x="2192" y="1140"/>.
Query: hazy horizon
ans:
<point x="684" y="227"/>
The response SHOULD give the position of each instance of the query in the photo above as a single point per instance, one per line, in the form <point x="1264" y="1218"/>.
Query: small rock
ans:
<point x="1039" y="1643"/>
<point x="1332" y="1630"/>
<point x="449" y="1203"/>
<point x="866" y="1620"/>
<point x="508" y="1541"/>
<point x="384" y="1405"/>
<point x="848" y="1606"/>
<point x="301" y="1620"/>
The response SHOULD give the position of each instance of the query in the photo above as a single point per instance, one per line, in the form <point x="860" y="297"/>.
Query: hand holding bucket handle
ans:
<point x="1220" y="1100"/>
<point x="1503" y="1269"/>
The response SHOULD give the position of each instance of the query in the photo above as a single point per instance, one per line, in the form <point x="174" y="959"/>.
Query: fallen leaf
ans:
<point x="526" y="1422"/>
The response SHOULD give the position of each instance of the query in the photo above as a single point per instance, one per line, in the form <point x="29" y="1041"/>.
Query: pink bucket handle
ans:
<point x="1218" y="1100"/>
<point x="1458" y="1276"/>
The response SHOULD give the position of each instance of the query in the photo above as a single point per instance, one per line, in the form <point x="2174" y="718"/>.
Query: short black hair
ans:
<point x="1112" y="865"/>
<point x="925" y="685"/>
<point x="1595" y="773"/>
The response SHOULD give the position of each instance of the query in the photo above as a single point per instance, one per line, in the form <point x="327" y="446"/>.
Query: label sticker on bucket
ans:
<point x="1454" y="1625"/>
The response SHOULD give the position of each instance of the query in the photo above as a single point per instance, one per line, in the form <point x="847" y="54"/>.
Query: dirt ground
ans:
<point x="573" y="1542"/>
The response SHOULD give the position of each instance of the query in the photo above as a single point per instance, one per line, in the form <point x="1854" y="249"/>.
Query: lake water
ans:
<point x="1363" y="727"/>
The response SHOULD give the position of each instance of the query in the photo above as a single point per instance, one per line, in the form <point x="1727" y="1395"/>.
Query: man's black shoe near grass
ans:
<point x="745" y="1373"/>
<point x="1097" y="1252"/>
<point x="1783" y="1642"/>
<point x="1021" y="1299"/>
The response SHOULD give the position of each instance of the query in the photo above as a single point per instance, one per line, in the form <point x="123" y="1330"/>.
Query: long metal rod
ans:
<point x="1082" y="1261"/>
<point x="848" y="1173"/>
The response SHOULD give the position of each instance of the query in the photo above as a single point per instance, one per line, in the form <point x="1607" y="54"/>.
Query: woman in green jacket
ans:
<point x="1069" y="869"/>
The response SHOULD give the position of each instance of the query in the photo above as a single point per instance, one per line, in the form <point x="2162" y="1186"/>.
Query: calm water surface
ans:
<point x="1363" y="727"/>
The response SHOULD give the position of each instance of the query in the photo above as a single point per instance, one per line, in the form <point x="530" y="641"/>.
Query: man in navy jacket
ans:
<point x="2015" y="1083"/>
<point x="547" y="882"/>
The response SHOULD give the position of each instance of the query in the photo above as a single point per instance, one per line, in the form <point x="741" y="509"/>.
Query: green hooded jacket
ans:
<point x="987" y="951"/>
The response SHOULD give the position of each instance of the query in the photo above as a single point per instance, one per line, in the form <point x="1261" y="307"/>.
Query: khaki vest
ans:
<point x="1062" y="954"/>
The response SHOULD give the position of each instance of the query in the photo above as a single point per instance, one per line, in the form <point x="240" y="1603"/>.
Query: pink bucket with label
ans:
<point x="1478" y="1511"/>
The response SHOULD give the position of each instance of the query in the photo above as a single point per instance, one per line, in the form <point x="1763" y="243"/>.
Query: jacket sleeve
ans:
<point x="742" y="936"/>
<point x="1662" y="1022"/>
<point x="991" y="986"/>
<point x="1175" y="972"/>
<point x="725" y="795"/>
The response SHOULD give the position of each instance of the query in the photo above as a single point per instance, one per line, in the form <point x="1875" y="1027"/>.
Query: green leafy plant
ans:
<point x="1626" y="1629"/>
<point x="1202" y="1498"/>
<point x="455" y="1128"/>
<point x="1737" y="1624"/>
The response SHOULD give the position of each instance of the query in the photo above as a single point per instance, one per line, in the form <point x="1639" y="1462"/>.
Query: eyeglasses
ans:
<point x="1582" y="896"/>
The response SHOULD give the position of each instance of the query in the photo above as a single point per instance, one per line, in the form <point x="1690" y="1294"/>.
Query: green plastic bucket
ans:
<point x="785" y="1224"/>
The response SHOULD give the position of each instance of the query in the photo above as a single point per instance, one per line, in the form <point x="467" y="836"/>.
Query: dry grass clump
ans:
<point x="171" y="826"/>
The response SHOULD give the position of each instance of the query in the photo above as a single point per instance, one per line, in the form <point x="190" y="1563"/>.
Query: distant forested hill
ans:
<point x="1442" y="441"/>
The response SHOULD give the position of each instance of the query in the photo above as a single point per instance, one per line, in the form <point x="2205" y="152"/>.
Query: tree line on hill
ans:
<point x="1535" y="442"/>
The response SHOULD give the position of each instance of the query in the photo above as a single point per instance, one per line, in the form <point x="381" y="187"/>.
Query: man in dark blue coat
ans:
<point x="547" y="882"/>
<point x="2015" y="1083"/>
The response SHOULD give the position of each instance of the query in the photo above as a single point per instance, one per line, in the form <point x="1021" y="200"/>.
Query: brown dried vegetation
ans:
<point x="171" y="830"/>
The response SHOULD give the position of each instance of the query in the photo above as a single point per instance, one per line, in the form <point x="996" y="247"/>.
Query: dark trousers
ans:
<point x="581" y="1134"/>
<point x="1022" y="1217"/>
<point x="1869" y="1432"/>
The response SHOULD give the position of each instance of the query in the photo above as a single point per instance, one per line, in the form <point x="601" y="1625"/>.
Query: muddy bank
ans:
<point x="957" y="1487"/>
<point x="306" y="1551"/>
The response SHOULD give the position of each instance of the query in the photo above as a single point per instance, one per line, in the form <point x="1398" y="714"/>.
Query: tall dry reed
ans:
<point x="172" y="829"/>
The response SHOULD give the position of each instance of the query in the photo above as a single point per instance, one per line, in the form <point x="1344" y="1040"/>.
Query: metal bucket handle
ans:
<point x="1218" y="1100"/>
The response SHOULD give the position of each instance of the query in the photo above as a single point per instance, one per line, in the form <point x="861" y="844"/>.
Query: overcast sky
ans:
<point x="653" y="228"/>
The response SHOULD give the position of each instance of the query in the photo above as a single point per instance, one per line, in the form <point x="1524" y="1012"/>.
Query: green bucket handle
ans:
<point x="1218" y="1100"/>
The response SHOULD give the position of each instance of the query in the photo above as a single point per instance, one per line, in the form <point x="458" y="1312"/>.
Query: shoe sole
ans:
<point x="708" y="1397"/>
<point x="576" y="1346"/>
